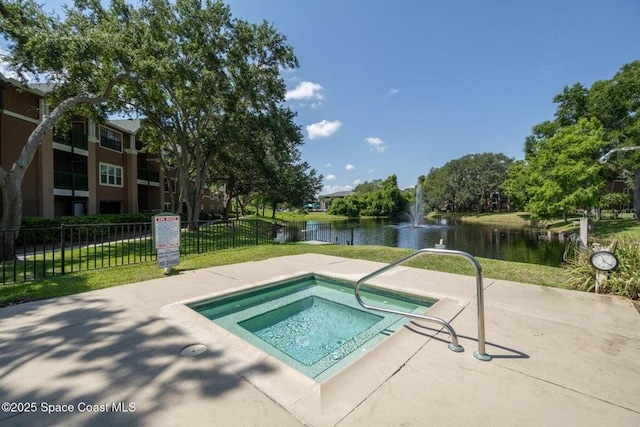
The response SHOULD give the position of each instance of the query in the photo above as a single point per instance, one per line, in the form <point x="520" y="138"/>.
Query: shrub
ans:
<point x="37" y="222"/>
<point x="36" y="230"/>
<point x="623" y="281"/>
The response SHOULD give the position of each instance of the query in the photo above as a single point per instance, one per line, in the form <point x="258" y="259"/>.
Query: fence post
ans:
<point x="62" y="239"/>
<point x="4" y="237"/>
<point x="235" y="230"/>
<point x="255" y="227"/>
<point x="351" y="235"/>
<point x="198" y="237"/>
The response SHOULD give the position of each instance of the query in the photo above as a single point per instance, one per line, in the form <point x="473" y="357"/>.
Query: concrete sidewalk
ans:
<point x="111" y="357"/>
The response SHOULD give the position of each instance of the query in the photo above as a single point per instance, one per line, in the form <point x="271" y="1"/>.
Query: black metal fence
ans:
<point x="312" y="231"/>
<point x="46" y="252"/>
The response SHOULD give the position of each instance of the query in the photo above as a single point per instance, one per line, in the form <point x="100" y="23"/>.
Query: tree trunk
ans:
<point x="227" y="206"/>
<point x="11" y="216"/>
<point x="192" y="200"/>
<point x="241" y="205"/>
<point x="636" y="194"/>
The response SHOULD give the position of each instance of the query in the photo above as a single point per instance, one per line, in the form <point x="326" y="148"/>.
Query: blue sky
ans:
<point x="402" y="86"/>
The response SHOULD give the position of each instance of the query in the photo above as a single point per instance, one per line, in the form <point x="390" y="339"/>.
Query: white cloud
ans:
<point x="284" y="70"/>
<point x="323" y="129"/>
<point x="328" y="189"/>
<point x="356" y="182"/>
<point x="371" y="170"/>
<point x="349" y="167"/>
<point x="330" y="177"/>
<point x="328" y="165"/>
<point x="7" y="71"/>
<point x="4" y="66"/>
<point x="316" y="104"/>
<point x="305" y="90"/>
<point x="376" y="143"/>
<point x="392" y="92"/>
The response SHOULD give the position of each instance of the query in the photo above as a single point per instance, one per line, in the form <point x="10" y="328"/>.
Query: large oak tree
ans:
<point x="205" y="79"/>
<point x="84" y="57"/>
<point x="466" y="182"/>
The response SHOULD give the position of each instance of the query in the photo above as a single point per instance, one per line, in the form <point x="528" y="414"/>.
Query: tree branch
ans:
<point x="35" y="139"/>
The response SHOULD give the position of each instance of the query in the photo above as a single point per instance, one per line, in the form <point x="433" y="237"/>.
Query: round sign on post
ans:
<point x="604" y="260"/>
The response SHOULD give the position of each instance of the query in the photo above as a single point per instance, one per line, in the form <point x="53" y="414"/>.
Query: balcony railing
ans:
<point x="147" y="175"/>
<point x="72" y="139"/>
<point x="70" y="181"/>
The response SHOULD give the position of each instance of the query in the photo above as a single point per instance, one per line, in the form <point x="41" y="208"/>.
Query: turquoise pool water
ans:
<point x="312" y="323"/>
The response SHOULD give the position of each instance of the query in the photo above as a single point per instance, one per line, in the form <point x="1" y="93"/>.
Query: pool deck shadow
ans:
<point x="112" y="357"/>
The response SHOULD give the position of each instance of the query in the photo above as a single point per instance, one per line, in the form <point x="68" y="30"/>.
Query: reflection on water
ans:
<point x="485" y="241"/>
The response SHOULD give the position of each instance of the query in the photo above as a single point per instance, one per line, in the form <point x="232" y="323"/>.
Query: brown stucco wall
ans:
<point x="104" y="192"/>
<point x="21" y="102"/>
<point x="14" y="133"/>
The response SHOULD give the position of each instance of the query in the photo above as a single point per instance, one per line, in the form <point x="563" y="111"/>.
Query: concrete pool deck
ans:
<point x="559" y="358"/>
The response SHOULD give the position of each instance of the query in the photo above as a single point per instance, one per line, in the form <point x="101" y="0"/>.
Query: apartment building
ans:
<point x="91" y="168"/>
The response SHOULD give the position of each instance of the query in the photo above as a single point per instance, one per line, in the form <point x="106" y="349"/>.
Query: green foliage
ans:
<point x="292" y="183"/>
<point x="437" y="188"/>
<point x="572" y="105"/>
<point x="396" y="202"/>
<point x="84" y="58"/>
<point x="466" y="183"/>
<point x="615" y="201"/>
<point x="388" y="200"/>
<point x="517" y="183"/>
<point x="57" y="51"/>
<point x="554" y="177"/>
<point x="368" y="187"/>
<point x="36" y="230"/>
<point x="623" y="281"/>
<point x="565" y="173"/>
<point x="211" y="94"/>
<point x="37" y="222"/>
<point x="349" y="206"/>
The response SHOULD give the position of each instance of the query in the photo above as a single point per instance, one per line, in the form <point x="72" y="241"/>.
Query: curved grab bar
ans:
<point x="453" y="345"/>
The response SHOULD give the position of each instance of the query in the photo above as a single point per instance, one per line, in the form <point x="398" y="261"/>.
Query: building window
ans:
<point x="170" y="186"/>
<point x="107" y="207"/>
<point x="111" y="139"/>
<point x="110" y="175"/>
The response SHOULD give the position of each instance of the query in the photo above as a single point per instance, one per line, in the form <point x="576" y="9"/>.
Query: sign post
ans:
<point x="166" y="240"/>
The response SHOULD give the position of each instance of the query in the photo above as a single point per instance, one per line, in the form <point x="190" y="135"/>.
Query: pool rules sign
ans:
<point x="166" y="239"/>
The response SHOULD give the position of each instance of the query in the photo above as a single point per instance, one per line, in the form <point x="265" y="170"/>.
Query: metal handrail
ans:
<point x="453" y="345"/>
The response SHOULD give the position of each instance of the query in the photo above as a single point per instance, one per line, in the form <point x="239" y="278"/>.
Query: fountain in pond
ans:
<point x="416" y="208"/>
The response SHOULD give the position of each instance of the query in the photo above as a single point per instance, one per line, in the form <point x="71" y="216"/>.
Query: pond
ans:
<point x="502" y="242"/>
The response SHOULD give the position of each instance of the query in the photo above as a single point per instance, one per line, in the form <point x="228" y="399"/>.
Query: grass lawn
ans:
<point x="300" y="216"/>
<point x="89" y="280"/>
<point x="606" y="228"/>
<point x="616" y="228"/>
<point x="511" y="218"/>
